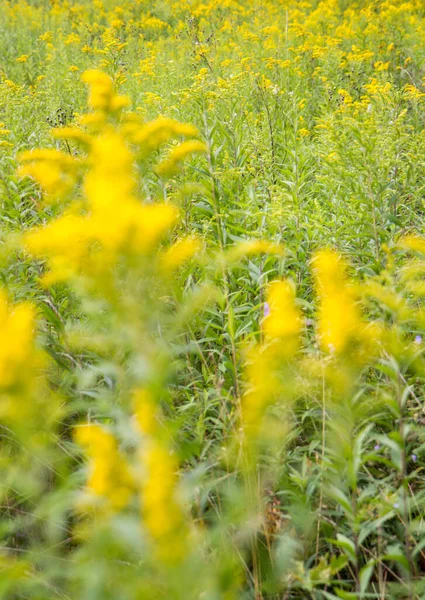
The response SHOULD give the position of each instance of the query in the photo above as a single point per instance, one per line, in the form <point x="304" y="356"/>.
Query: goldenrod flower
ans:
<point x="17" y="347"/>
<point x="63" y="242"/>
<point x="162" y="509"/>
<point x="157" y="132"/>
<point x="109" y="480"/>
<point x="262" y="388"/>
<point x="102" y="95"/>
<point x="283" y="320"/>
<point x="46" y="37"/>
<point x="339" y="318"/>
<point x="170" y="166"/>
<point x="252" y="248"/>
<point x="145" y="411"/>
<point x="180" y="252"/>
<point x="55" y="171"/>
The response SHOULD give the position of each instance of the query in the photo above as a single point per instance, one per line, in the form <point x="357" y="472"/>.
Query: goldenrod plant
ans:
<point x="212" y="319"/>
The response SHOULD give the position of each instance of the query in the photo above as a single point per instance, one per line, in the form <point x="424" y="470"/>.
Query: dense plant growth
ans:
<point x="212" y="294"/>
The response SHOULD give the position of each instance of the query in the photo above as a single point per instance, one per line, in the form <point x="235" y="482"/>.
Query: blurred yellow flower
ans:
<point x="17" y="334"/>
<point x="338" y="313"/>
<point x="162" y="510"/>
<point x="109" y="483"/>
<point x="282" y="317"/>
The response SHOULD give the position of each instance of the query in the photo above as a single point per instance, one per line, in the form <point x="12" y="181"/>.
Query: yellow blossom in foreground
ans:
<point x="170" y="166"/>
<point x="283" y="319"/>
<point x="55" y="171"/>
<point x="109" y="221"/>
<point x="110" y="177"/>
<point x="162" y="510"/>
<point x="262" y="388"/>
<point x="338" y="315"/>
<point x="252" y="248"/>
<point x="67" y="243"/>
<point x="63" y="242"/>
<point x="109" y="480"/>
<point x="412" y="242"/>
<point x="102" y="96"/>
<point x="71" y="133"/>
<point x="157" y="132"/>
<point x="17" y="347"/>
<point x="179" y="253"/>
<point x="145" y="411"/>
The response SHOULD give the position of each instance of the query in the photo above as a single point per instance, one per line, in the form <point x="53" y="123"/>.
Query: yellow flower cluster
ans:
<point x="180" y="252"/>
<point x="283" y="320"/>
<point x="109" y="221"/>
<point x="282" y="327"/>
<point x="17" y="348"/>
<point x="109" y="484"/>
<point x="170" y="166"/>
<point x="338" y="315"/>
<point x="3" y="133"/>
<point x="102" y="96"/>
<point x="55" y="171"/>
<point x="158" y="132"/>
<point x="162" y="510"/>
<point x="262" y="388"/>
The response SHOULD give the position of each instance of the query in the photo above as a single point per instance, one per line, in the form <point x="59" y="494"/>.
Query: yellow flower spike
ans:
<point x="71" y="133"/>
<point x="92" y="120"/>
<point x="54" y="171"/>
<point x="118" y="103"/>
<point x="46" y="37"/>
<point x="134" y="229"/>
<point x="162" y="511"/>
<point x="66" y="242"/>
<point x="180" y="252"/>
<point x="411" y="92"/>
<point x="145" y="411"/>
<point x="157" y="132"/>
<point x="63" y="242"/>
<point x="283" y="320"/>
<point x="262" y="387"/>
<point x="339" y="319"/>
<point x="413" y="243"/>
<point x="154" y="221"/>
<point x="252" y="248"/>
<point x="110" y="178"/>
<point x="17" y="330"/>
<point x="109" y="480"/>
<point x="381" y="66"/>
<point x="170" y="166"/>
<point x="102" y="96"/>
<point x="111" y="221"/>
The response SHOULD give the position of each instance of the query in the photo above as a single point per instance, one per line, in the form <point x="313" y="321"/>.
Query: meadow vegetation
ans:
<point x="212" y="311"/>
